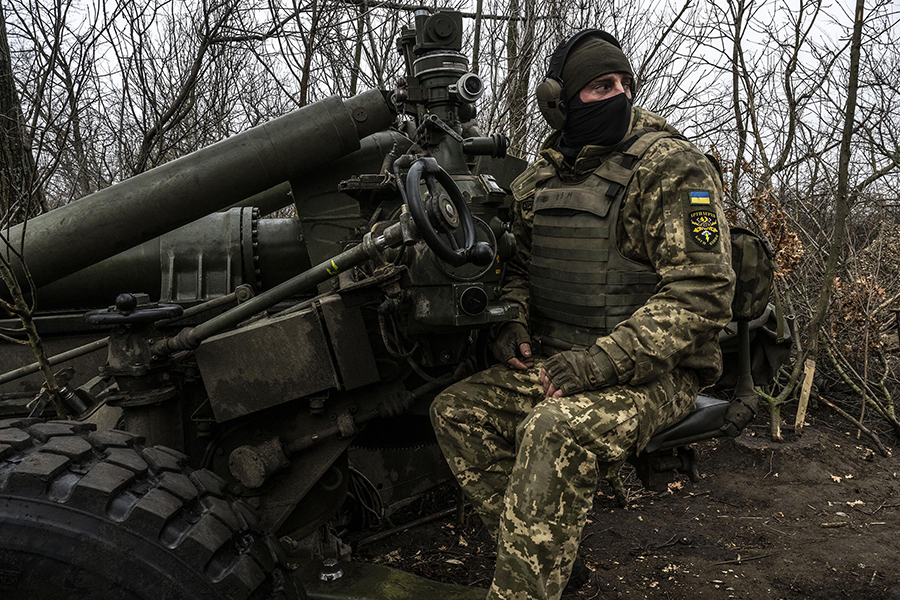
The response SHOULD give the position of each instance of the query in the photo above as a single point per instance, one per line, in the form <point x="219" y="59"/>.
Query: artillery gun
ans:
<point x="261" y="383"/>
<point x="283" y="364"/>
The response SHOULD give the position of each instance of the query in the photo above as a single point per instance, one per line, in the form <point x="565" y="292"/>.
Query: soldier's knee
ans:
<point x="438" y="408"/>
<point x="545" y="423"/>
<point x="447" y="404"/>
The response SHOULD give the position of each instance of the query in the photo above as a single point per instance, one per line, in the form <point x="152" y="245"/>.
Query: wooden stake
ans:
<point x="809" y="370"/>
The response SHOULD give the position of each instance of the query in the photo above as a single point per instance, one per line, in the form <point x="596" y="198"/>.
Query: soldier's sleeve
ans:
<point x="686" y="237"/>
<point x="515" y="284"/>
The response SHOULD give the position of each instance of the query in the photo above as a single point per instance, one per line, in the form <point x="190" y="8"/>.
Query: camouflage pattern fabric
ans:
<point x="755" y="275"/>
<point x="530" y="465"/>
<point x="678" y="325"/>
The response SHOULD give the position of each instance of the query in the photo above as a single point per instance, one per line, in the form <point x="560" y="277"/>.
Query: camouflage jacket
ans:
<point x="678" y="325"/>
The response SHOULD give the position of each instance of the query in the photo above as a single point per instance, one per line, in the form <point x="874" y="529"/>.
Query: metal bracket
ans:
<point x="435" y="121"/>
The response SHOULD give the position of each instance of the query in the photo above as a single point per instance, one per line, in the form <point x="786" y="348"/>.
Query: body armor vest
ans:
<point x="581" y="285"/>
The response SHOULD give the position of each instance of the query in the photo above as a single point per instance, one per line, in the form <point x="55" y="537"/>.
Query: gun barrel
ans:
<point x="195" y="263"/>
<point x="150" y="204"/>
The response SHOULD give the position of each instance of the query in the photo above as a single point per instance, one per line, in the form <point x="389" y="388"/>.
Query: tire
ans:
<point x="95" y="514"/>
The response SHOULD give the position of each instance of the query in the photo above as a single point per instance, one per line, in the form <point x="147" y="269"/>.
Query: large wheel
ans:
<point x="95" y="514"/>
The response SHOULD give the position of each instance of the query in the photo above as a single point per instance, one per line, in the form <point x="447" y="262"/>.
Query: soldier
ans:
<point x="623" y="278"/>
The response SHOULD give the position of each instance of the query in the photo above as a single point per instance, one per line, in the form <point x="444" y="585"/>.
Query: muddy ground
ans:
<point x="815" y="517"/>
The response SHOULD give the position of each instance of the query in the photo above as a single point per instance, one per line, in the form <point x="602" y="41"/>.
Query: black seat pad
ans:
<point x="707" y="416"/>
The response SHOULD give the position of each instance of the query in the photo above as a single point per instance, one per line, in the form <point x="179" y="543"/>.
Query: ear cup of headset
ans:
<point x="550" y="102"/>
<point x="635" y="87"/>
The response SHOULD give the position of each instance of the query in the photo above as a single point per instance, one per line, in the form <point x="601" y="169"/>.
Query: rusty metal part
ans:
<point x="252" y="465"/>
<point x="340" y="425"/>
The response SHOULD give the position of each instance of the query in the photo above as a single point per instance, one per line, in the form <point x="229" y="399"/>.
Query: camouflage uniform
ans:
<point x="530" y="464"/>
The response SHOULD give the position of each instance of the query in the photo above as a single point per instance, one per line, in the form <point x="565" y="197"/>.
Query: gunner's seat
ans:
<point x="669" y="451"/>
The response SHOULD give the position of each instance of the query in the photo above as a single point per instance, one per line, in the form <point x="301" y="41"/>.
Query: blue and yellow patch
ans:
<point x="700" y="197"/>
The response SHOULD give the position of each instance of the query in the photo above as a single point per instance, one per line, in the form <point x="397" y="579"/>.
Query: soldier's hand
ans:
<point x="570" y="372"/>
<point x="550" y="390"/>
<point x="513" y="347"/>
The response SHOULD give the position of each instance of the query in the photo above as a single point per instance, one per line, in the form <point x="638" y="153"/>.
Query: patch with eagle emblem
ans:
<point x="703" y="226"/>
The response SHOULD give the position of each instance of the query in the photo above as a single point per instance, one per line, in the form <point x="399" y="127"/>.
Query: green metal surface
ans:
<point x="364" y="581"/>
<point x="269" y="201"/>
<point x="202" y="260"/>
<point x="152" y="203"/>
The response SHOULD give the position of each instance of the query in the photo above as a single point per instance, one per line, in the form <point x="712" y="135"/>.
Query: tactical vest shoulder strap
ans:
<point x="619" y="171"/>
<point x="538" y="171"/>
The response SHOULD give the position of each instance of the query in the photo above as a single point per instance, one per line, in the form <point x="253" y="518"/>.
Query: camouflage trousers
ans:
<point x="531" y="465"/>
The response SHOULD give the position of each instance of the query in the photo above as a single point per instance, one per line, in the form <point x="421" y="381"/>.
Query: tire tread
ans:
<point x="151" y="493"/>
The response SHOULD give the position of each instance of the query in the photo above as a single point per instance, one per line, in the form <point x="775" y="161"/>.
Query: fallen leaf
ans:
<point x="836" y="479"/>
<point x="453" y="561"/>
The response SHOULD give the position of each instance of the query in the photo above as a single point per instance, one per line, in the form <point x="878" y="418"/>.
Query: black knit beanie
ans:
<point x="589" y="59"/>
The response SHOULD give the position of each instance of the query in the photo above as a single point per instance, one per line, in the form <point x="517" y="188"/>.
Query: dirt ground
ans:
<point x="815" y="517"/>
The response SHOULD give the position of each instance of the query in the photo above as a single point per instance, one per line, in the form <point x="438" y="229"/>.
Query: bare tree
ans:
<point x="18" y="197"/>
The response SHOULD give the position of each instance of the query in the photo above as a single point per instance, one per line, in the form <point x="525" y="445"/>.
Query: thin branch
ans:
<point x="872" y="435"/>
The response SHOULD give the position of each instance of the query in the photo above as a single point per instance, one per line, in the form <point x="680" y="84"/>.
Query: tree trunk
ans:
<point x="19" y="200"/>
<point x="357" y="50"/>
<point x="477" y="43"/>
<point x="310" y="46"/>
<point x="19" y="197"/>
<point x="775" y="423"/>
<point x="519" y="55"/>
<point x="736" y="100"/>
<point x="843" y="199"/>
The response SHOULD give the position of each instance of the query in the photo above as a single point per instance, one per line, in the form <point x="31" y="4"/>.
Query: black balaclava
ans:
<point x="602" y="123"/>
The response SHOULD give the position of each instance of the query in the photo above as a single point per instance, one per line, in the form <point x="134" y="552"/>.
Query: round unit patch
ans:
<point x="704" y="228"/>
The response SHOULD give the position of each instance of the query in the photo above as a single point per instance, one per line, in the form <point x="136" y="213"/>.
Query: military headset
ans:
<point x="551" y="92"/>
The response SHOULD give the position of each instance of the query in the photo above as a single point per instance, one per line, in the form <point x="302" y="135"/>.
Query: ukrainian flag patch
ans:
<point x="700" y="197"/>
